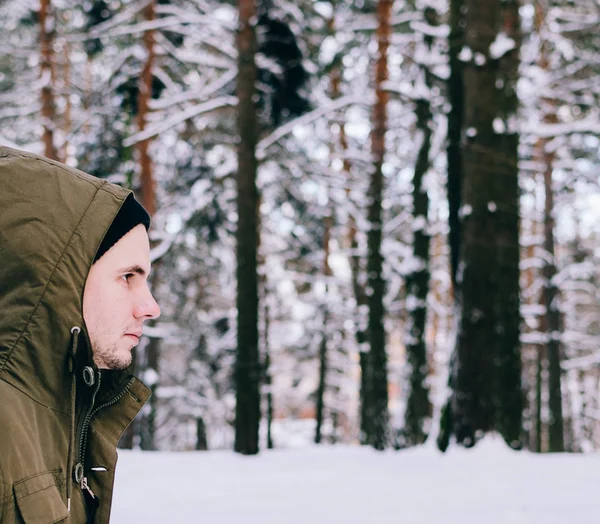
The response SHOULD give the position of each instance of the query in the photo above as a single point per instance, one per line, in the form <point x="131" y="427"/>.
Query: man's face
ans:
<point x="117" y="301"/>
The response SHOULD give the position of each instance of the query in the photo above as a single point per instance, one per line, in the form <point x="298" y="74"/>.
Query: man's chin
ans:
<point x="119" y="361"/>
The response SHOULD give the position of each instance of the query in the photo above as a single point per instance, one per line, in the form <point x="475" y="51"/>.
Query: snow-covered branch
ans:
<point x="590" y="124"/>
<point x="161" y="127"/>
<point x="307" y="118"/>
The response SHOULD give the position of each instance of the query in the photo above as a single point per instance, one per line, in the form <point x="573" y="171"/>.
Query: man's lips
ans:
<point x="136" y="336"/>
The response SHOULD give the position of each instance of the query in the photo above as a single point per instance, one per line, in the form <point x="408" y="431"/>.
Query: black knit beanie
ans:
<point x="130" y="215"/>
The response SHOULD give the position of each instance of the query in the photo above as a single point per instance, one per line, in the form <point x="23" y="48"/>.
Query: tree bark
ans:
<point x="539" y="427"/>
<point x="148" y="190"/>
<point x="508" y="392"/>
<point x="323" y="360"/>
<point x="201" y="441"/>
<point x="418" y="408"/>
<point x="487" y="372"/>
<point x="550" y="294"/>
<point x="268" y="382"/>
<point x="247" y="367"/>
<point x="376" y="287"/>
<point x="66" y="73"/>
<point x="456" y="97"/>
<point x="46" y="20"/>
<point x="455" y="130"/>
<point x="366" y="398"/>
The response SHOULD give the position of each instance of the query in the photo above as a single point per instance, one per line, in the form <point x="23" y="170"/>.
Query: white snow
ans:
<point x="465" y="210"/>
<point x="479" y="59"/>
<point x="488" y="484"/>
<point x="499" y="126"/>
<point x="501" y="45"/>
<point x="465" y="54"/>
<point x="440" y="31"/>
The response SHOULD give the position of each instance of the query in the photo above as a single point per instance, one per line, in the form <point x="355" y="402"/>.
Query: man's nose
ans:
<point x="147" y="308"/>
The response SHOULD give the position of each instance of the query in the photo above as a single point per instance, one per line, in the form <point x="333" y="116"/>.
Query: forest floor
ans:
<point x="489" y="484"/>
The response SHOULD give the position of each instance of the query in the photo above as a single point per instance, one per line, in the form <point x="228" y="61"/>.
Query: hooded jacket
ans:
<point x="60" y="418"/>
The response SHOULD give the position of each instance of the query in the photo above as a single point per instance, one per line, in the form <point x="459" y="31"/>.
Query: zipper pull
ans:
<point x="91" y="500"/>
<point x="84" y="486"/>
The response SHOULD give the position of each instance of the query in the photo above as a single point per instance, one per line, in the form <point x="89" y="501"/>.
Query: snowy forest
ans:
<point x="374" y="222"/>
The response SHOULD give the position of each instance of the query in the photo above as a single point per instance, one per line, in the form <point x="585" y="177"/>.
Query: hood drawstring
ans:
<point x="75" y="330"/>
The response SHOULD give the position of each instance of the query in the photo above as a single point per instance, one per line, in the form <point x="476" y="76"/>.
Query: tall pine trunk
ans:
<point x="145" y="93"/>
<point x="552" y="323"/>
<point x="508" y="393"/>
<point x="455" y="129"/>
<point x="323" y="357"/>
<point x="487" y="368"/>
<point x="456" y="97"/>
<point x="247" y="366"/>
<point x="550" y="295"/>
<point x="378" y="357"/>
<point x="268" y="380"/>
<point x="47" y="73"/>
<point x="418" y="406"/>
<point x="67" y="119"/>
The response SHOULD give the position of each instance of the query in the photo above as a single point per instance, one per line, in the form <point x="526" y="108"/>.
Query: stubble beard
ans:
<point x="110" y="357"/>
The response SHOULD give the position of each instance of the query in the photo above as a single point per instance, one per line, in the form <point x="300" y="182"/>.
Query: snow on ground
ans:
<point x="489" y="484"/>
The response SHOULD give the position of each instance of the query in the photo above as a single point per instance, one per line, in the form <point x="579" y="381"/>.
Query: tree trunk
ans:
<point x="456" y="97"/>
<point x="322" y="379"/>
<point x="550" y="292"/>
<point x="268" y="382"/>
<point x="508" y="391"/>
<point x="376" y="286"/>
<point x="201" y="441"/>
<point x="145" y="93"/>
<point x="46" y="70"/>
<point x="539" y="428"/>
<point x="366" y="398"/>
<point x="247" y="367"/>
<point x="418" y="408"/>
<point x="455" y="129"/>
<point x="534" y="363"/>
<point x="68" y="123"/>
<point x="487" y="373"/>
<point x="323" y="368"/>
<point x="555" y="423"/>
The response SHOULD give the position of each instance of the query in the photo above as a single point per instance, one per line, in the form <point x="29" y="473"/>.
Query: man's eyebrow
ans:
<point x="133" y="269"/>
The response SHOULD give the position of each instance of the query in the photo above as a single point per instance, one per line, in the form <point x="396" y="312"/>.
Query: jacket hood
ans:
<point x="52" y="221"/>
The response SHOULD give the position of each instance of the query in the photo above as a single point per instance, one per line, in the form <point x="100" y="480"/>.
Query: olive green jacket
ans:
<point x="60" y="419"/>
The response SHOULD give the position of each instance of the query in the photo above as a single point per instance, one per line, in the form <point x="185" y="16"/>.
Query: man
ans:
<point x="74" y="263"/>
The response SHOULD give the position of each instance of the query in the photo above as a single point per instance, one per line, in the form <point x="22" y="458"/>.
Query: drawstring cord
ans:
<point x="75" y="330"/>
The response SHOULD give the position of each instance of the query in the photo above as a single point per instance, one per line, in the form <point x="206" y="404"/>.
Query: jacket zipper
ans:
<point x="86" y="422"/>
<point x="83" y="437"/>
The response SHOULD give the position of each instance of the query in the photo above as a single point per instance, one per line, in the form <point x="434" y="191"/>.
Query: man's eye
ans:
<point x="127" y="276"/>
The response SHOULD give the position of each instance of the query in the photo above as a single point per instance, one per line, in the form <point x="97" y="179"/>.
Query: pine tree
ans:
<point x="486" y="377"/>
<point x="378" y="378"/>
<point x="418" y="408"/>
<point x="247" y="366"/>
<point x="47" y="24"/>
